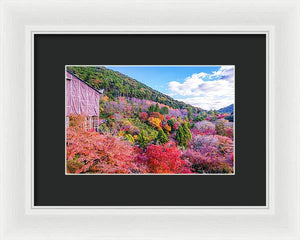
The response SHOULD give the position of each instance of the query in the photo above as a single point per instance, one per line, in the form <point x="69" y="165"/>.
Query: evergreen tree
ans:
<point x="151" y="109"/>
<point x="183" y="135"/>
<point x="161" y="137"/>
<point x="187" y="132"/>
<point x="180" y="137"/>
<point x="156" y="108"/>
<point x="164" y="110"/>
<point x="142" y="139"/>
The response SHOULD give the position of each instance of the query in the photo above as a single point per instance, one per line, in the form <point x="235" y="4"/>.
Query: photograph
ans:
<point x="149" y="119"/>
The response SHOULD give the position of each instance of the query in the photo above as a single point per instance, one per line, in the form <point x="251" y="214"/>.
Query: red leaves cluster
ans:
<point x="98" y="153"/>
<point x="143" y="116"/>
<point x="165" y="159"/>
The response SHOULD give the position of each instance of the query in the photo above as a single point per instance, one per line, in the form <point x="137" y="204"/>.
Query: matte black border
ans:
<point x="246" y="188"/>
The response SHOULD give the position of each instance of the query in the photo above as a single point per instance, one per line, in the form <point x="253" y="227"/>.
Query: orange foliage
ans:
<point x="167" y="128"/>
<point x="157" y="115"/>
<point x="105" y="98"/>
<point x="155" y="122"/>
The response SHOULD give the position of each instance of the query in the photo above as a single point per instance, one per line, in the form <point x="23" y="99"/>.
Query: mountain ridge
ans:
<point x="228" y="109"/>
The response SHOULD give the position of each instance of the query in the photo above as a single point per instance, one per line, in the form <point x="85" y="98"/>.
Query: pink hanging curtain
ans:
<point x="81" y="98"/>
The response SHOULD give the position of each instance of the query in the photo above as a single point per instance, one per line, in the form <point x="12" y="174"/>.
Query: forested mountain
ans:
<point x="116" y="84"/>
<point x="228" y="109"/>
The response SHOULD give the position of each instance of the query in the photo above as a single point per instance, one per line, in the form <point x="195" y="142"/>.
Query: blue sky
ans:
<point x="208" y="87"/>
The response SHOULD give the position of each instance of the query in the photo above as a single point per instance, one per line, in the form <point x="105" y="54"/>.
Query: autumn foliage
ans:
<point x="155" y="122"/>
<point x="165" y="159"/>
<point x="93" y="152"/>
<point x="134" y="137"/>
<point x="143" y="116"/>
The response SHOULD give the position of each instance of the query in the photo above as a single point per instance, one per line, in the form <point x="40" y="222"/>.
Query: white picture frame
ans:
<point x="279" y="20"/>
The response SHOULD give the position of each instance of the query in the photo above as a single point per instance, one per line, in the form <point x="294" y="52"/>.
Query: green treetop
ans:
<point x="143" y="139"/>
<point x="156" y="108"/>
<point x="151" y="109"/>
<point x="164" y="110"/>
<point x="187" y="132"/>
<point x="161" y="137"/>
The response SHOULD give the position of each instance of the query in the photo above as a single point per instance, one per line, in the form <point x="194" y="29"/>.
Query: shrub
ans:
<point x="143" y="116"/>
<point x="129" y="137"/>
<point x="103" y="128"/>
<point x="167" y="128"/>
<point x="165" y="159"/>
<point x="220" y="127"/>
<point x="129" y="128"/>
<point x="142" y="139"/>
<point x="155" y="122"/>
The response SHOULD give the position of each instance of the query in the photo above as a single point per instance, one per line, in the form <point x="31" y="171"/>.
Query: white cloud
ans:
<point x="207" y="91"/>
<point x="225" y="73"/>
<point x="208" y="102"/>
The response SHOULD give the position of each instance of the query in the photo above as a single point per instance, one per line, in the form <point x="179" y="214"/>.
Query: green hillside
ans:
<point x="117" y="84"/>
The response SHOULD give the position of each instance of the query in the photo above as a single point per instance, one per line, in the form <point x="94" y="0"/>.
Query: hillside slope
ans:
<point x="228" y="109"/>
<point x="116" y="84"/>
